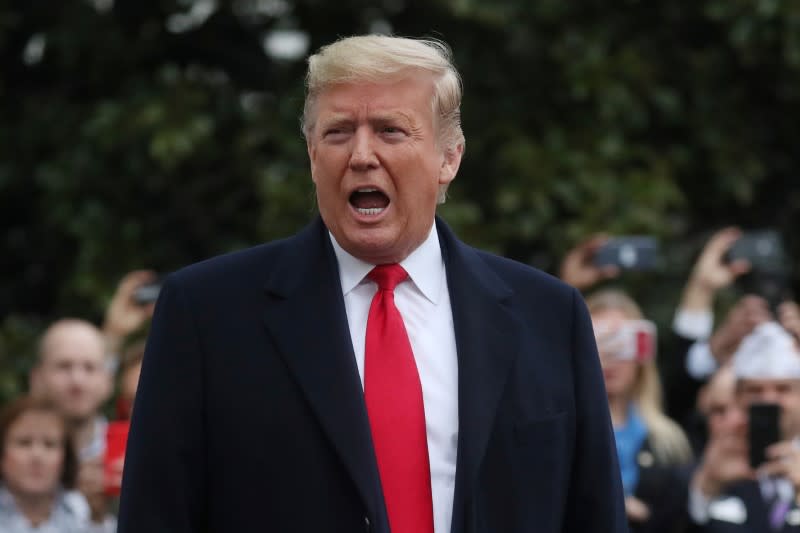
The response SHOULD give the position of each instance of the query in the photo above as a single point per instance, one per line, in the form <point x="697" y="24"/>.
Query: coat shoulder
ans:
<point x="525" y="279"/>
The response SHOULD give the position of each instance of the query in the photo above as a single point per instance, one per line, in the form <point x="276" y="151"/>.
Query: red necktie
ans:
<point x="393" y="396"/>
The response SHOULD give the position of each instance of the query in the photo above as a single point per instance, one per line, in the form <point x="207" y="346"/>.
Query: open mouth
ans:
<point x="369" y="201"/>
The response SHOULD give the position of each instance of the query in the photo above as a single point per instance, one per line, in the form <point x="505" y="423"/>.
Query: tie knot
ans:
<point x="387" y="276"/>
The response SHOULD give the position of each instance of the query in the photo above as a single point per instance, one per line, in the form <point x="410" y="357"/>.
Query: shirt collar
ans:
<point x="424" y="266"/>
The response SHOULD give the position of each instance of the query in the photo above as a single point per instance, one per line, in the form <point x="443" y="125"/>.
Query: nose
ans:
<point x="363" y="156"/>
<point x="770" y="396"/>
<point x="735" y="420"/>
<point x="77" y="375"/>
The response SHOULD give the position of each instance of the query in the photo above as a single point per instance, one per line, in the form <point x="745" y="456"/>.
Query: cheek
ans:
<point x="628" y="374"/>
<point x="13" y="459"/>
<point x="55" y="459"/>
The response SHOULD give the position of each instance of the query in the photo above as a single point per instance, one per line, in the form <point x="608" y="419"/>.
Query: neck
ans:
<point x="618" y="406"/>
<point x="35" y="508"/>
<point x="83" y="432"/>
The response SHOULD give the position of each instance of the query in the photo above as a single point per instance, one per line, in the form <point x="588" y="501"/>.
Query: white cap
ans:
<point x="769" y="352"/>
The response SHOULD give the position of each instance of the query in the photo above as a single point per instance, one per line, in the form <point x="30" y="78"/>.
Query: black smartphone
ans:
<point x="147" y="293"/>
<point x="763" y="249"/>
<point x="764" y="430"/>
<point x="769" y="275"/>
<point x="633" y="252"/>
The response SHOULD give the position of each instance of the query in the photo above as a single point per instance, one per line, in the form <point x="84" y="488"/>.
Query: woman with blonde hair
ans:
<point x="651" y="448"/>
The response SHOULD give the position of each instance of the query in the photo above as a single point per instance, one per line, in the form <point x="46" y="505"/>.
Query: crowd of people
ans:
<point x="717" y="464"/>
<point x="688" y="468"/>
<point x="60" y="464"/>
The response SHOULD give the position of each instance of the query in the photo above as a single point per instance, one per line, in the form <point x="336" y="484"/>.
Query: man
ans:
<point x="727" y="494"/>
<point x="299" y="387"/>
<point x="72" y="373"/>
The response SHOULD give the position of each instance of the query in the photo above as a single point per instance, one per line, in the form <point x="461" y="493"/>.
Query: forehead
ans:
<point x="74" y="343"/>
<point x="757" y="385"/>
<point x="722" y="389"/>
<point x="609" y="315"/>
<point x="411" y="94"/>
<point x="36" y="420"/>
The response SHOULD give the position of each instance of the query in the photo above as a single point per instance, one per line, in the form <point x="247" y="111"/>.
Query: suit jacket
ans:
<point x="742" y="509"/>
<point x="250" y="413"/>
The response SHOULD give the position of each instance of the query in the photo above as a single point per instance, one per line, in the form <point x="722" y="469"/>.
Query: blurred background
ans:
<point x="155" y="133"/>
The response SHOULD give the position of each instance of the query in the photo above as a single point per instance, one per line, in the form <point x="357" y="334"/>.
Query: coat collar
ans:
<point x="305" y="316"/>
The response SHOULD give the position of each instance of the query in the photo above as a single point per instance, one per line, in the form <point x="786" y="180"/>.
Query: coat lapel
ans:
<point x="305" y="316"/>
<point x="487" y="340"/>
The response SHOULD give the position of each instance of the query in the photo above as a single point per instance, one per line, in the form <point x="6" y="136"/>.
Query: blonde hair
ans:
<point x="381" y="59"/>
<point x="668" y="441"/>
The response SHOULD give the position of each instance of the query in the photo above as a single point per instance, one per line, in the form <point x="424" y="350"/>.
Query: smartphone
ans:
<point x="764" y="251"/>
<point x="116" y="441"/>
<point x="764" y="430"/>
<point x="147" y="293"/>
<point x="634" y="252"/>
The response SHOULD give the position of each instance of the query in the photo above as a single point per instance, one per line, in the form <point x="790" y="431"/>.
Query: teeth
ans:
<point x="368" y="190"/>
<point x="370" y="210"/>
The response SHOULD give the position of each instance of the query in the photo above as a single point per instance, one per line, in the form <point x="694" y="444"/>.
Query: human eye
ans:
<point x="23" y="442"/>
<point x="392" y="131"/>
<point x="336" y="132"/>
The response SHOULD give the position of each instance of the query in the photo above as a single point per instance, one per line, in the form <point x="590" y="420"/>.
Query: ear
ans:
<point x="311" y="147"/>
<point x="450" y="164"/>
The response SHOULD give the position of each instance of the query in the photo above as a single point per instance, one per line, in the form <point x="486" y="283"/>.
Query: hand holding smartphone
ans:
<point x="147" y="293"/>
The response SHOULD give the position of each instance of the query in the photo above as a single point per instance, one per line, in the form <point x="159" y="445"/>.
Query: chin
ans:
<point x="371" y="244"/>
<point x="38" y="487"/>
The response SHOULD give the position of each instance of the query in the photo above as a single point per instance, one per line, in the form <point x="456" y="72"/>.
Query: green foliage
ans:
<point x="133" y="143"/>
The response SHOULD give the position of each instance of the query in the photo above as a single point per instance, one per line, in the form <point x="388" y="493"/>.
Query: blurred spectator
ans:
<point x="747" y="314"/>
<point x="789" y="316"/>
<point x="694" y="318"/>
<point x="578" y="268"/>
<point x="717" y="403"/>
<point x="650" y="446"/>
<point x="72" y="372"/>
<point x="695" y="352"/>
<point x="37" y="469"/>
<point x="129" y="370"/>
<point x="727" y="494"/>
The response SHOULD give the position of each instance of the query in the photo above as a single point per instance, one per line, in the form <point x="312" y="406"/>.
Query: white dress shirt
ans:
<point x="697" y="325"/>
<point x="424" y="303"/>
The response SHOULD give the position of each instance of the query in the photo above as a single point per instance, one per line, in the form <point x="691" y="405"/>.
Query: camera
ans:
<point x="147" y="293"/>
<point x="635" y="252"/>
<point x="763" y="250"/>
<point x="769" y="265"/>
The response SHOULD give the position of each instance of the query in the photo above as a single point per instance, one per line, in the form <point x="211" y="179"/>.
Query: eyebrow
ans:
<point x="379" y="118"/>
